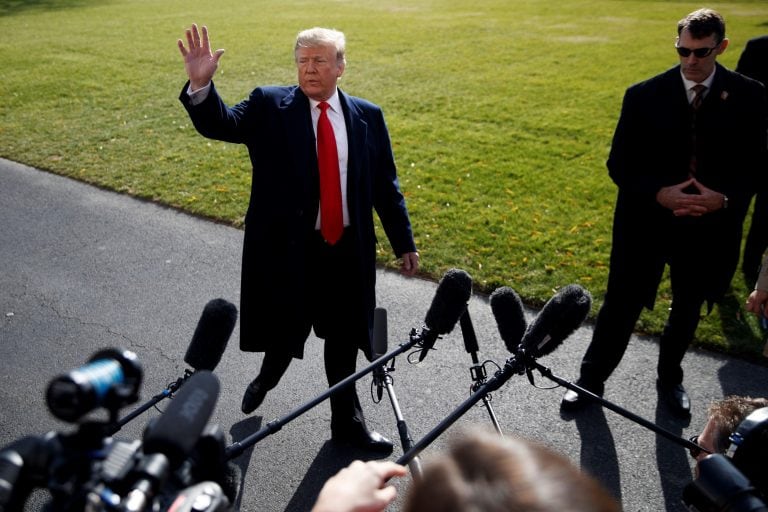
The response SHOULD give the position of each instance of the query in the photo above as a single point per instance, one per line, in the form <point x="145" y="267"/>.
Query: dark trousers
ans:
<point x="339" y="318"/>
<point x="616" y="321"/>
<point x="757" y="239"/>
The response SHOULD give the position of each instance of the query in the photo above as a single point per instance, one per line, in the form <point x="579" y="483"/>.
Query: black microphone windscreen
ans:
<point x="557" y="320"/>
<point x="230" y="484"/>
<point x="508" y="311"/>
<point x="211" y="335"/>
<point x="450" y="301"/>
<point x="176" y="432"/>
<point x="380" y="334"/>
<point x="468" y="333"/>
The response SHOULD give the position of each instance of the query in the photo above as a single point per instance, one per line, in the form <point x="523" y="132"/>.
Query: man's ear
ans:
<point x="723" y="45"/>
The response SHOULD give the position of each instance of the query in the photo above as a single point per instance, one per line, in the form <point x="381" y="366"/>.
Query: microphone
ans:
<point x="557" y="320"/>
<point x="468" y="334"/>
<point x="176" y="432"/>
<point x="449" y="303"/>
<point x="379" y="346"/>
<point x="111" y="379"/>
<point x="169" y="440"/>
<point x="211" y="335"/>
<point x="508" y="311"/>
<point x="380" y="334"/>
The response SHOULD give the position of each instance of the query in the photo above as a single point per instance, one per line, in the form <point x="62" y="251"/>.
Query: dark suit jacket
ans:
<point x="753" y="61"/>
<point x="651" y="149"/>
<point x="276" y="126"/>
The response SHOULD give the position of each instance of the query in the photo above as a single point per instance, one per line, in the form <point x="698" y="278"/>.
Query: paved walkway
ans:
<point x="84" y="269"/>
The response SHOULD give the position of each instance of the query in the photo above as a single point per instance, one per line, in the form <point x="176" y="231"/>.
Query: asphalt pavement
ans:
<point x="82" y="269"/>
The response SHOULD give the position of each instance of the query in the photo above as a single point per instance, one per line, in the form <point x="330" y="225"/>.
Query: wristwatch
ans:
<point x="725" y="201"/>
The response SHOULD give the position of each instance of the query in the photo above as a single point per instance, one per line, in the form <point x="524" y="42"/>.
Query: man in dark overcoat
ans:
<point x="300" y="272"/>
<point x="753" y="62"/>
<point x="687" y="152"/>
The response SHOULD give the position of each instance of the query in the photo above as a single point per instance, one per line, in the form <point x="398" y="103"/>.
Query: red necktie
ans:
<point x="331" y="219"/>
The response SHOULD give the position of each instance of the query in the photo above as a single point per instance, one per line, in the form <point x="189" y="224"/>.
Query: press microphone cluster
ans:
<point x="559" y="317"/>
<point x="90" y="470"/>
<point x="556" y="321"/>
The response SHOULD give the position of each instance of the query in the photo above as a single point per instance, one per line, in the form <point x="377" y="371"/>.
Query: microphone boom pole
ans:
<point x="477" y="371"/>
<point x="402" y="428"/>
<point x="511" y="367"/>
<point x="167" y="392"/>
<point x="546" y="372"/>
<point x="273" y="426"/>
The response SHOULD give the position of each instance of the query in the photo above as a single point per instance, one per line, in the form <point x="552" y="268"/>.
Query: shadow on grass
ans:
<point x="11" y="7"/>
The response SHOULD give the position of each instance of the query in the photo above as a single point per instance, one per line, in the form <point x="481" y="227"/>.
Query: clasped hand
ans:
<point x="685" y="203"/>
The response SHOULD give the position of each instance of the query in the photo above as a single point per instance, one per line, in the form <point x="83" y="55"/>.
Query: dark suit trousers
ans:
<point x="616" y="321"/>
<point x="340" y="319"/>
<point x="757" y="239"/>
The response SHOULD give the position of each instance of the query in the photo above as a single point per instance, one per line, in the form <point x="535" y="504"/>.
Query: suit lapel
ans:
<point x="298" y="121"/>
<point x="357" y="134"/>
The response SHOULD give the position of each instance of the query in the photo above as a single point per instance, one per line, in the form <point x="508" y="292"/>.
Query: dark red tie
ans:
<point x="698" y="97"/>
<point x="331" y="219"/>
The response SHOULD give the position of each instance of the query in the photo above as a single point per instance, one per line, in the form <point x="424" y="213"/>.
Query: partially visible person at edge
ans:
<point x="753" y="63"/>
<point x="322" y="162"/>
<point x="687" y="153"/>
<point x="481" y="471"/>
<point x="757" y="300"/>
<point x="723" y="418"/>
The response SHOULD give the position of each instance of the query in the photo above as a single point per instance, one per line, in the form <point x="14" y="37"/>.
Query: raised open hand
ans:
<point x="199" y="62"/>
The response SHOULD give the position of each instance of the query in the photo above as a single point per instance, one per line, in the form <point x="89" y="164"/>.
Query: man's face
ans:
<point x="696" y="68"/>
<point x="318" y="71"/>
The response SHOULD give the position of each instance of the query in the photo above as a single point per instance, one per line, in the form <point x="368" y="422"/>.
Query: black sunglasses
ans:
<point x="700" y="53"/>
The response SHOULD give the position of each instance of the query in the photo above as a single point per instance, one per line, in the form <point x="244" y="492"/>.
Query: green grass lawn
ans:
<point x="501" y="114"/>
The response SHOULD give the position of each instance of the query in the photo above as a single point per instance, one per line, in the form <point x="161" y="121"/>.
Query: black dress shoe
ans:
<point x="573" y="401"/>
<point x="254" y="395"/>
<point x="365" y="440"/>
<point x="676" y="398"/>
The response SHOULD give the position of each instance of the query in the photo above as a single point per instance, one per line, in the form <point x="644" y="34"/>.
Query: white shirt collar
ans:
<point x="690" y="83"/>
<point x="333" y="101"/>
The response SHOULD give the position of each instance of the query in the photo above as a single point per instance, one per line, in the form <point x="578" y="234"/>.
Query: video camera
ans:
<point x="736" y="481"/>
<point x="179" y="465"/>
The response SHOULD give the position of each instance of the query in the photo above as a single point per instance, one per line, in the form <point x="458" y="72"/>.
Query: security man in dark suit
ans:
<point x="753" y="62"/>
<point x="687" y="152"/>
<point x="322" y="162"/>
